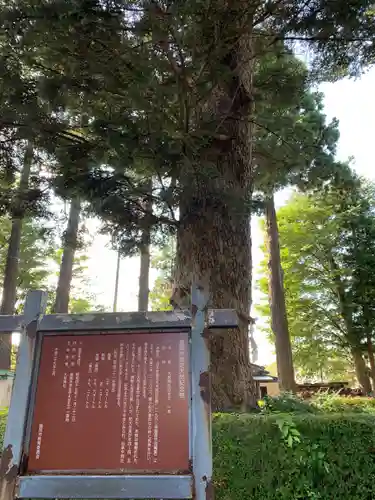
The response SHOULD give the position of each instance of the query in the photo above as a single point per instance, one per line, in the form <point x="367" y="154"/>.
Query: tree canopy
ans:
<point x="37" y="248"/>
<point x="39" y="259"/>
<point x="113" y="94"/>
<point x="327" y="241"/>
<point x="129" y="84"/>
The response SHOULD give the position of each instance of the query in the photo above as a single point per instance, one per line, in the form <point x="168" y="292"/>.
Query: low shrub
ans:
<point x="333" y="403"/>
<point x="3" y="421"/>
<point x="294" y="457"/>
<point x="286" y="403"/>
<point x="323" y="402"/>
<point x="291" y="456"/>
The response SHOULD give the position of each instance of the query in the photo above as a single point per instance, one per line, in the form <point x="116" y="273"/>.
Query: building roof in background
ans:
<point x="260" y="374"/>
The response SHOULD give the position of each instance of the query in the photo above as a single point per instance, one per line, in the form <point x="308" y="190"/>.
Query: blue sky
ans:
<point x="351" y="101"/>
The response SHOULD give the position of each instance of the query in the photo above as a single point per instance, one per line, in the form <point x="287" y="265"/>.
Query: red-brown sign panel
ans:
<point x="113" y="402"/>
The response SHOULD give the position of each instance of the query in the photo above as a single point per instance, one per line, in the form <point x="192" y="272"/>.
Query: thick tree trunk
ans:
<point x="216" y="248"/>
<point x="144" y="272"/>
<point x="361" y="371"/>
<point x="66" y="268"/>
<point x="213" y="242"/>
<point x="12" y="261"/>
<point x="279" y="319"/>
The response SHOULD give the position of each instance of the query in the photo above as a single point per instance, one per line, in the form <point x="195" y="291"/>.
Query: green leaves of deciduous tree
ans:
<point x="327" y="242"/>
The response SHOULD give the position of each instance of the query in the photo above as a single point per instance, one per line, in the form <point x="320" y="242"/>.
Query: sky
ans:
<point x="351" y="102"/>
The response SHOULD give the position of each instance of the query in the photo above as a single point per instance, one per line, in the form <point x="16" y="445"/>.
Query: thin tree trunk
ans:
<point x="144" y="279"/>
<point x="370" y="352"/>
<point x="361" y="371"/>
<point x="279" y="317"/>
<point x="66" y="268"/>
<point x="361" y="368"/>
<point x="115" y="295"/>
<point x="12" y="261"/>
<point x="352" y="337"/>
<point x="144" y="274"/>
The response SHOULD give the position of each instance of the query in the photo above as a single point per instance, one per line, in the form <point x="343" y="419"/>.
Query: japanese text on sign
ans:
<point x="114" y="402"/>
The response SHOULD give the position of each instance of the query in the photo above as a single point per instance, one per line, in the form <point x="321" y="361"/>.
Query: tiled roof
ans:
<point x="261" y="374"/>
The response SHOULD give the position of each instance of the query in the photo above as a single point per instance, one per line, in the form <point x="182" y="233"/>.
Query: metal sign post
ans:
<point x="113" y="405"/>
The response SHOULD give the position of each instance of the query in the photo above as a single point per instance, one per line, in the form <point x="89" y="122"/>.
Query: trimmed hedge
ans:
<point x="331" y="456"/>
<point x="335" y="458"/>
<point x="321" y="403"/>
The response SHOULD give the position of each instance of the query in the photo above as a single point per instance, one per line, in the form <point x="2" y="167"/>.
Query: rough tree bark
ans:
<point x="363" y="375"/>
<point x="361" y="370"/>
<point x="279" y="319"/>
<point x="352" y="337"/>
<point x="370" y="352"/>
<point x="12" y="261"/>
<point x="144" y="276"/>
<point x="216" y="247"/>
<point x="145" y="258"/>
<point x="214" y="241"/>
<point x="66" y="268"/>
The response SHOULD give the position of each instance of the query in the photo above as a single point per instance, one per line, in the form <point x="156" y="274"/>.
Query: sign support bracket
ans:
<point x="12" y="455"/>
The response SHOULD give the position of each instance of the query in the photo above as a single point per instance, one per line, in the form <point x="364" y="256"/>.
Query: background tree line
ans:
<point x="327" y="255"/>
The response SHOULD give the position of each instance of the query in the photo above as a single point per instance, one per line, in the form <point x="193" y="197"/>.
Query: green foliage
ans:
<point x="294" y="144"/>
<point x="286" y="403"/>
<point x="161" y="292"/>
<point x="3" y="421"/>
<point x="328" y="457"/>
<point x="81" y="299"/>
<point x="334" y="403"/>
<point x="272" y="369"/>
<point x="289" y="432"/>
<point x="39" y="263"/>
<point x="327" y="244"/>
<point x="82" y="305"/>
<point x="332" y="460"/>
<point x="321" y="403"/>
<point x="150" y="98"/>
<point x="36" y="251"/>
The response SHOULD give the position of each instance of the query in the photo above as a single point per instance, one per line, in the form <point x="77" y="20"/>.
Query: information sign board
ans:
<point x="111" y="405"/>
<point x="115" y="403"/>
